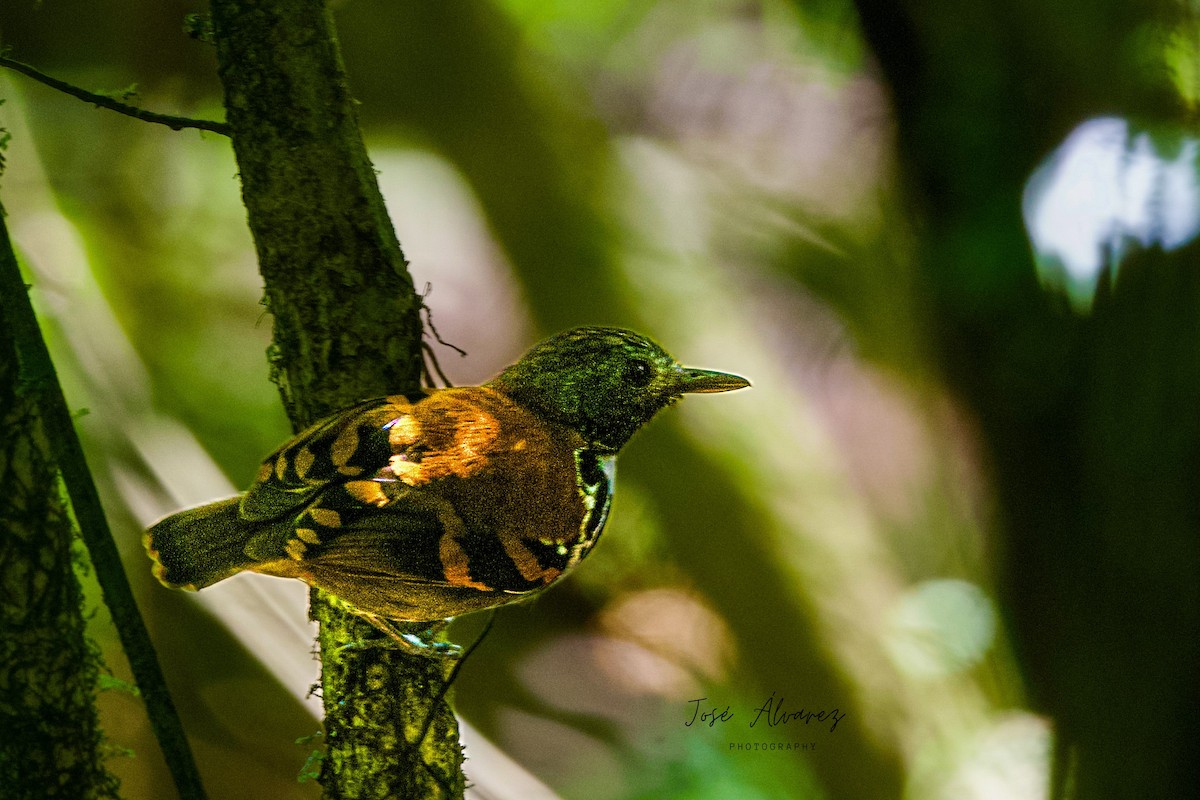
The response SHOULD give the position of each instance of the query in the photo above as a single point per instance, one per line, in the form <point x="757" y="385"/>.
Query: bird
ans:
<point x="421" y="507"/>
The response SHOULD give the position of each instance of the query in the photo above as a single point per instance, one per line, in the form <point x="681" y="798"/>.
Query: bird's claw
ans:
<point x="415" y="645"/>
<point x="419" y="642"/>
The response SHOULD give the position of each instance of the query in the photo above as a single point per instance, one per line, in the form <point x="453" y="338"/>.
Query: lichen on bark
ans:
<point x="346" y="327"/>
<point x="50" y="738"/>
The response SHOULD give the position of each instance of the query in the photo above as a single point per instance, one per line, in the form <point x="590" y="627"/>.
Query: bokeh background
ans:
<point x="720" y="174"/>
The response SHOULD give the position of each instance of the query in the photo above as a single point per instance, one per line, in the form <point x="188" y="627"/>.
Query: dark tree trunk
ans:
<point x="347" y="327"/>
<point x="50" y="739"/>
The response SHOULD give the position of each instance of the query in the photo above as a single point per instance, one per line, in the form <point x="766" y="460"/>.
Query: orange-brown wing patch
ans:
<point x="527" y="563"/>
<point x="456" y="564"/>
<point x="451" y="433"/>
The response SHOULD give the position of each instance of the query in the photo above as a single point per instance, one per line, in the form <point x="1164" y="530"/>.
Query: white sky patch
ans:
<point x="1103" y="188"/>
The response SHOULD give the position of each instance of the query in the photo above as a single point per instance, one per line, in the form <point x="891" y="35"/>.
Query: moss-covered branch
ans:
<point x="347" y="326"/>
<point x="49" y="676"/>
<point x="50" y="739"/>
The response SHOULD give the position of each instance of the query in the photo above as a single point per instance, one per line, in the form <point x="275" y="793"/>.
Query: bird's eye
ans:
<point x="638" y="374"/>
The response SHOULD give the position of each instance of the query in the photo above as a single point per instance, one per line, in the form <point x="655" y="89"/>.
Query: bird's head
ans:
<point x="604" y="382"/>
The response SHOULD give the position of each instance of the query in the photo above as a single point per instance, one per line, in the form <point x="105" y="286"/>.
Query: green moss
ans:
<point x="346" y="327"/>
<point x="50" y="739"/>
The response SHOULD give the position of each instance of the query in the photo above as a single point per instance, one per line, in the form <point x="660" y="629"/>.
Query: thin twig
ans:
<point x="431" y="358"/>
<point x="38" y="375"/>
<point x="103" y="101"/>
<point x="429" y="320"/>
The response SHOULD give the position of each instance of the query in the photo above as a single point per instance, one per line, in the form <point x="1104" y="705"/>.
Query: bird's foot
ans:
<point x="412" y="639"/>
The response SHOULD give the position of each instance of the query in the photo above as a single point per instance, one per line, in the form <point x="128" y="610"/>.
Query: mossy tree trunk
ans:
<point x="347" y="327"/>
<point x="50" y="740"/>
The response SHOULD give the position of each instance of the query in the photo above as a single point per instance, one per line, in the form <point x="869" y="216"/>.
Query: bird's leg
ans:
<point x="421" y="641"/>
<point x="415" y="640"/>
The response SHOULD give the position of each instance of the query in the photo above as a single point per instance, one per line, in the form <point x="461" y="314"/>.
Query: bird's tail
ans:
<point x="199" y="546"/>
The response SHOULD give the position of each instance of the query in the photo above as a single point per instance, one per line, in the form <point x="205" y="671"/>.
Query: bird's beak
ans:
<point x="706" y="380"/>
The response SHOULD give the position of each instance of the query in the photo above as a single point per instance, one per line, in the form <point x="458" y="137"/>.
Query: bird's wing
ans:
<point x="336" y="531"/>
<point x="341" y="447"/>
<point x="419" y="536"/>
<point x="409" y="494"/>
<point x="411" y="559"/>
